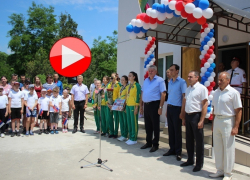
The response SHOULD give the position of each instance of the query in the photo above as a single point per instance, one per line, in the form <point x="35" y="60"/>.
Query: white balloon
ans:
<point x="210" y="79"/>
<point x="177" y="12"/>
<point x="203" y="52"/>
<point x="212" y="56"/>
<point x="169" y="16"/>
<point x="151" y="63"/>
<point x="149" y="52"/>
<point x="148" y="11"/>
<point x="212" y="92"/>
<point x="203" y="34"/>
<point x="152" y="49"/>
<point x="203" y="69"/>
<point x="201" y="57"/>
<point x="206" y="47"/>
<point x="145" y="25"/>
<point x="153" y="60"/>
<point x="147" y="66"/>
<point x="210" y="60"/>
<point x="172" y="5"/>
<point x="206" y="65"/>
<point x="154" y="46"/>
<point x="153" y="13"/>
<point x="212" y="39"/>
<point x="153" y="26"/>
<point x="164" y="2"/>
<point x="201" y="39"/>
<point x="207" y="83"/>
<point x="133" y="22"/>
<point x="208" y="13"/>
<point x="207" y="115"/>
<point x="140" y="34"/>
<point x="201" y="74"/>
<point x="132" y="35"/>
<point x="189" y="8"/>
<point x="210" y="43"/>
<point x="161" y="16"/>
<point x="149" y="38"/>
<point x="213" y="74"/>
<point x="207" y="30"/>
<point x="210" y="97"/>
<point x="197" y="13"/>
<point x="138" y="23"/>
<point x="211" y="25"/>
<point x="146" y="56"/>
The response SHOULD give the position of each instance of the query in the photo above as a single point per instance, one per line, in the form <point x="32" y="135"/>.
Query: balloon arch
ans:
<point x="192" y="10"/>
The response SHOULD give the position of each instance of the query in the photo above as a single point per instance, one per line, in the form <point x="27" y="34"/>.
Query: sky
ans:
<point x="94" y="17"/>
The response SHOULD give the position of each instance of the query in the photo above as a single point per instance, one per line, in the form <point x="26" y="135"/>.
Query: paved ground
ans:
<point x="57" y="157"/>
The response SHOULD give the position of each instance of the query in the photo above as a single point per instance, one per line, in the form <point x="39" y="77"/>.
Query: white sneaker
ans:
<point x="128" y="141"/>
<point x="132" y="142"/>
<point x="2" y="135"/>
<point x="227" y="178"/>
<point x="65" y="130"/>
<point x="122" y="138"/>
<point x="96" y="132"/>
<point x="217" y="174"/>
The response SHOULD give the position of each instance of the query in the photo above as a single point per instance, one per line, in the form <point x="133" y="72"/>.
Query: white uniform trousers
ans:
<point x="224" y="144"/>
<point x="163" y="117"/>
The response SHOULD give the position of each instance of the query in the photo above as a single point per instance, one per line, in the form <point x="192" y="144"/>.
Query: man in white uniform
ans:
<point x="227" y="110"/>
<point x="237" y="76"/>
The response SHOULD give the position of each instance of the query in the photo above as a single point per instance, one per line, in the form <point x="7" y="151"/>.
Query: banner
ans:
<point x="142" y="4"/>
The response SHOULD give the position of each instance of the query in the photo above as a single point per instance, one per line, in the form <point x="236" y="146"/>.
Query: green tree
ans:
<point x="5" y="69"/>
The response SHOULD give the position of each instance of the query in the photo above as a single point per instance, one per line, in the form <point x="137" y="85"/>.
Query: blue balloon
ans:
<point x="137" y="29"/>
<point x="168" y="10"/>
<point x="203" y="43"/>
<point x="149" y="59"/>
<point x="143" y="30"/>
<point x="175" y="15"/>
<point x="196" y="3"/>
<point x="161" y="8"/>
<point x="207" y="74"/>
<point x="213" y="65"/>
<point x="204" y="78"/>
<point x="210" y="34"/>
<point x="207" y="38"/>
<point x="209" y="109"/>
<point x="152" y="56"/>
<point x="146" y="38"/>
<point x="203" y="4"/>
<point x="130" y="28"/>
<point x="201" y="48"/>
<point x="212" y="30"/>
<point x="210" y="69"/>
<point x="155" y="6"/>
<point x="210" y="105"/>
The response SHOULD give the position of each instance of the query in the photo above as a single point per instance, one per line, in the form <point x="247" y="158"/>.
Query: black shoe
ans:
<point x="169" y="153"/>
<point x="196" y="169"/>
<point x="74" y="131"/>
<point x="82" y="130"/>
<point x="13" y="134"/>
<point x="18" y="134"/>
<point x="24" y="131"/>
<point x="153" y="149"/>
<point x="146" y="146"/>
<point x="46" y="132"/>
<point x="186" y="164"/>
<point x="111" y="136"/>
<point x="178" y="157"/>
<point x="103" y="134"/>
<point x="40" y="132"/>
<point x="115" y="136"/>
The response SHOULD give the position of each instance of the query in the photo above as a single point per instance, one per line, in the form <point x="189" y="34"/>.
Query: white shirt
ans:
<point x="16" y="97"/>
<point x="79" y="92"/>
<point x="65" y="104"/>
<point x="225" y="102"/>
<point x="92" y="89"/>
<point x="26" y="91"/>
<point x="239" y="77"/>
<point x="31" y="100"/>
<point x="194" y="97"/>
<point x="55" y="101"/>
<point x="44" y="103"/>
<point x="49" y="96"/>
<point x="3" y="101"/>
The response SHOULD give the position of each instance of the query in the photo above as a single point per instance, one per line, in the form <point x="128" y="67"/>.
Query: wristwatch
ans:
<point x="160" y="107"/>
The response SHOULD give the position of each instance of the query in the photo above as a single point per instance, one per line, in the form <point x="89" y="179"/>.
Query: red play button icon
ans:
<point x="70" y="57"/>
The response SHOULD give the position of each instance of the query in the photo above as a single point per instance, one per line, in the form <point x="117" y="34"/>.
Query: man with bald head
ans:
<point x="227" y="108"/>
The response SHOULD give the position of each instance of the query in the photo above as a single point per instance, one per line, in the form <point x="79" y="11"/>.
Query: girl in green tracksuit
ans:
<point x="96" y="98"/>
<point x="132" y="108"/>
<point x="122" y="114"/>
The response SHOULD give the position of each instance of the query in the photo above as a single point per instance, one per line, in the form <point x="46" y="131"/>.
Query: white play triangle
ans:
<point x="69" y="57"/>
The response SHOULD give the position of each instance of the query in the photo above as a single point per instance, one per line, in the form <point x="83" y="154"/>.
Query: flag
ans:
<point x="9" y="120"/>
<point x="142" y="4"/>
<point x="65" y="121"/>
<point x="1" y="123"/>
<point x="56" y="109"/>
<point x="28" y="113"/>
<point x="41" y="112"/>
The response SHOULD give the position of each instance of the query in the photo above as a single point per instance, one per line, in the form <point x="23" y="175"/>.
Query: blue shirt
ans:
<point x="175" y="91"/>
<point x="21" y="85"/>
<point x="60" y="85"/>
<point x="152" y="89"/>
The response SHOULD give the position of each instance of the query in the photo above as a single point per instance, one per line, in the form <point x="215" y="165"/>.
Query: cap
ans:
<point x="16" y="83"/>
<point x="44" y="90"/>
<point x="236" y="59"/>
<point x="31" y="86"/>
<point x="49" y="89"/>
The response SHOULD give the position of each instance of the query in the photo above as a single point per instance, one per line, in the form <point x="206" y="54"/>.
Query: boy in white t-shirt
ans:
<point x="30" y="101"/>
<point x="66" y="110"/>
<point x="43" y="104"/>
<point x="15" y="108"/>
<point x="55" y="104"/>
<point x="3" y="111"/>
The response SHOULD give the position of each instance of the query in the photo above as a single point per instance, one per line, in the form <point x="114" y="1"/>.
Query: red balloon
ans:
<point x="202" y="65"/>
<point x="202" y="30"/>
<point x="211" y="117"/>
<point x="205" y="26"/>
<point x="184" y="13"/>
<point x="152" y="20"/>
<point x="202" y="20"/>
<point x="210" y="51"/>
<point x="209" y="88"/>
<point x="212" y="84"/>
<point x="207" y="56"/>
<point x="191" y="18"/>
<point x="179" y="6"/>
<point x="209" y="93"/>
<point x="211" y="47"/>
<point x="138" y="16"/>
<point x="203" y="61"/>
<point x="159" y="22"/>
<point x="151" y="42"/>
<point x="146" y="19"/>
<point x="153" y="38"/>
<point x="142" y="16"/>
<point x="146" y="75"/>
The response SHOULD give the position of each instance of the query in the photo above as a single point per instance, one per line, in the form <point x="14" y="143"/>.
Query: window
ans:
<point x="160" y="66"/>
<point x="164" y="64"/>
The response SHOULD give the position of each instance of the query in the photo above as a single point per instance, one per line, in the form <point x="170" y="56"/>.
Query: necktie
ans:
<point x="231" y="76"/>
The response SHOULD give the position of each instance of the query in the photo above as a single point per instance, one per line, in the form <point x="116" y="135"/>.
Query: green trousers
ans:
<point x="97" y="119"/>
<point x="123" y="123"/>
<point x="132" y="121"/>
<point x="105" y="119"/>
<point x="116" y="124"/>
<point x="110" y="120"/>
